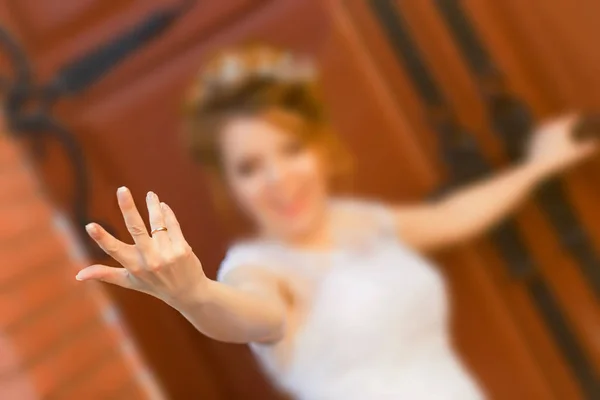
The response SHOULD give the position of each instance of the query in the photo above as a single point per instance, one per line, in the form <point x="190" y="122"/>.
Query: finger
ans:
<point x="123" y="253"/>
<point x="157" y="221"/>
<point x="563" y="123"/>
<point x="115" y="276"/>
<point x="133" y="220"/>
<point x="571" y="117"/>
<point x="173" y="227"/>
<point x="570" y="122"/>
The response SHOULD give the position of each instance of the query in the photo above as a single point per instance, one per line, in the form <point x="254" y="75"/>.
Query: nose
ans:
<point x="275" y="173"/>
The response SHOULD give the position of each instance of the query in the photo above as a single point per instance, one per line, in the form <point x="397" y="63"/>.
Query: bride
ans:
<point x="331" y="294"/>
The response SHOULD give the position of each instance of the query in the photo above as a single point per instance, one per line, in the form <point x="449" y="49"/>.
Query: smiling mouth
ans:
<point x="293" y="208"/>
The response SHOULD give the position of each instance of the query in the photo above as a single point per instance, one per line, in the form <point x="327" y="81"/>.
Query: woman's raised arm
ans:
<point x="163" y="265"/>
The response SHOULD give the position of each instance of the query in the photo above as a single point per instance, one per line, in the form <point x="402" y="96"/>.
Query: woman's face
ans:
<point x="278" y="180"/>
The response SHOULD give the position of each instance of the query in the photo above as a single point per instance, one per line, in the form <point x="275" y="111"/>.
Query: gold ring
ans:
<point x="162" y="228"/>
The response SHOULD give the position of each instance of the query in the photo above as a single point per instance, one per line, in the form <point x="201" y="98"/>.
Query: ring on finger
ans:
<point x="159" y="229"/>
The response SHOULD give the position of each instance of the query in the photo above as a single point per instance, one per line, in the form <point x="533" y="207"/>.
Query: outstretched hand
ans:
<point x="161" y="263"/>
<point x="554" y="147"/>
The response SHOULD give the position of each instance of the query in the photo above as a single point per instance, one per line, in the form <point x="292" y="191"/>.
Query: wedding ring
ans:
<point x="162" y="228"/>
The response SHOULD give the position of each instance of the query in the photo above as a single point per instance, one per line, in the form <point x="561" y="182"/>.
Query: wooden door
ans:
<point x="128" y="125"/>
<point x="547" y="361"/>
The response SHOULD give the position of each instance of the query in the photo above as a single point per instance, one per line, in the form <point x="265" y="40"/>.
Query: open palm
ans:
<point x="161" y="263"/>
<point x="555" y="148"/>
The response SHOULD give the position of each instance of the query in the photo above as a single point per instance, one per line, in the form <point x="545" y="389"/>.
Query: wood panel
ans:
<point x="52" y="34"/>
<point x="467" y="270"/>
<point x="551" y="76"/>
<point x="566" y="280"/>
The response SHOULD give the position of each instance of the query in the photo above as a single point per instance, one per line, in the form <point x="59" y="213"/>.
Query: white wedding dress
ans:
<point x="375" y="319"/>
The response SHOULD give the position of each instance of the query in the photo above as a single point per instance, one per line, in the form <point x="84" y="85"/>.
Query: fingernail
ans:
<point x="90" y="228"/>
<point x="122" y="190"/>
<point x="151" y="196"/>
<point x="78" y="277"/>
<point x="164" y="206"/>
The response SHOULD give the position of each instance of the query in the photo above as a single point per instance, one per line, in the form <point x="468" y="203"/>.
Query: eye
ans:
<point x="247" y="167"/>
<point x="293" y="147"/>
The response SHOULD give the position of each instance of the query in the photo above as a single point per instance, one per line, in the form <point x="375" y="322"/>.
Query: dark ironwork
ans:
<point x="28" y="106"/>
<point x="465" y="164"/>
<point x="513" y="122"/>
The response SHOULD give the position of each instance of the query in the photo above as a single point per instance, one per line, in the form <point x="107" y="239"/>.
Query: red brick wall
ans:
<point x="59" y="338"/>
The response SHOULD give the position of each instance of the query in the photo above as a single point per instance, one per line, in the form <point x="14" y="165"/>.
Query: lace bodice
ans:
<point x="375" y="320"/>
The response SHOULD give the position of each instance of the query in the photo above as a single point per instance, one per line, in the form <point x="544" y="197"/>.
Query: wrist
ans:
<point x="539" y="171"/>
<point x="195" y="296"/>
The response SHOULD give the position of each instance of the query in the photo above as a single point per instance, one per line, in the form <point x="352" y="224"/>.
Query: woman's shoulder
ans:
<point x="245" y="253"/>
<point x="364" y="204"/>
<point x="239" y="254"/>
<point x="363" y="219"/>
<point x="364" y="211"/>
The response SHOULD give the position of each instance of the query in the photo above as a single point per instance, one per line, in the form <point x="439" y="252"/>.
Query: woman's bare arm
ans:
<point x="477" y="207"/>
<point x="246" y="309"/>
<point x="466" y="213"/>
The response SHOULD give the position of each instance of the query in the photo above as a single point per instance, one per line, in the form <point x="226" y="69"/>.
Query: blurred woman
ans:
<point x="331" y="293"/>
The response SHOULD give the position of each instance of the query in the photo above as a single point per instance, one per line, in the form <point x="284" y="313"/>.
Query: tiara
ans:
<point x="233" y="69"/>
<point x="286" y="67"/>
